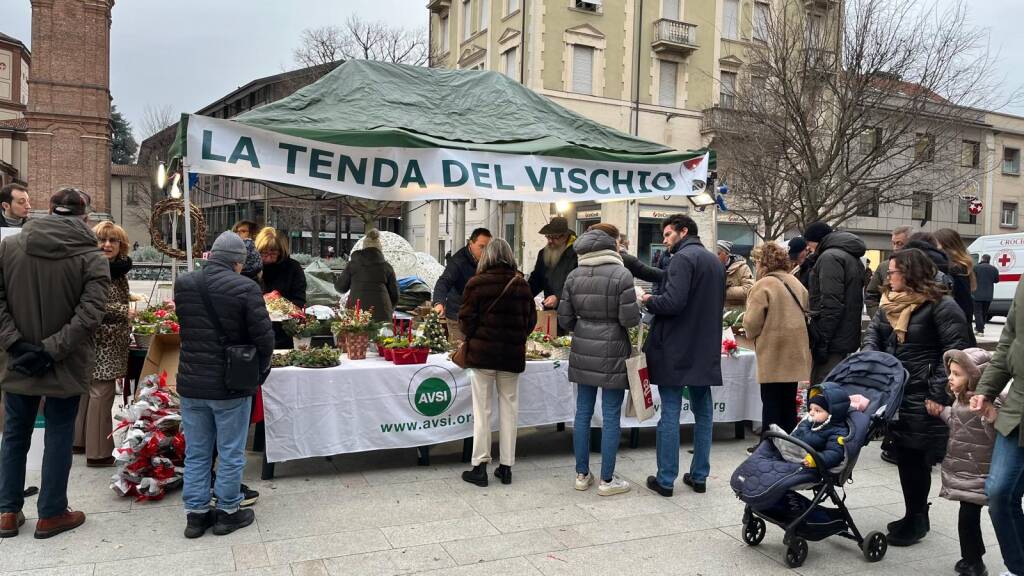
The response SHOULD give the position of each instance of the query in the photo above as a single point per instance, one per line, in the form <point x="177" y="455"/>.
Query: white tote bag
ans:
<point x="640" y="402"/>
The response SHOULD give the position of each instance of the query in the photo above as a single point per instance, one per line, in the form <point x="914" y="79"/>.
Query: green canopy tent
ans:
<point x="395" y="132"/>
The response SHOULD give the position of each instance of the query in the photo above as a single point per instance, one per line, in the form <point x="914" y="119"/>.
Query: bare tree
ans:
<point x="361" y="40"/>
<point x="156" y="118"/>
<point x="838" y="112"/>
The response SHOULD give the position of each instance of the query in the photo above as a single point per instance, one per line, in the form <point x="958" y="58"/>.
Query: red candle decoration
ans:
<point x="548" y="331"/>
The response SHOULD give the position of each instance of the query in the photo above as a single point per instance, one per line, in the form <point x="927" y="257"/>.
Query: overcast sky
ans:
<point x="202" y="49"/>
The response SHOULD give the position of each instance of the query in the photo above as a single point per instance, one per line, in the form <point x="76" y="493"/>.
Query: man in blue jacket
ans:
<point x="684" y="350"/>
<point x="214" y="416"/>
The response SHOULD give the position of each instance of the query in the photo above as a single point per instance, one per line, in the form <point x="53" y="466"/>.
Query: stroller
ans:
<point x="768" y="483"/>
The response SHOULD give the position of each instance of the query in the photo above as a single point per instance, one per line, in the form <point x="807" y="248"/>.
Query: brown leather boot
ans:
<point x="49" y="527"/>
<point x="9" y="524"/>
<point x="100" y="462"/>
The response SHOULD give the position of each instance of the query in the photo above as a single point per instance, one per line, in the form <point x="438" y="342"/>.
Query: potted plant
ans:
<point x="354" y="329"/>
<point x="162" y="319"/>
<point x="301" y="327"/>
<point x="411" y="351"/>
<point x="382" y="346"/>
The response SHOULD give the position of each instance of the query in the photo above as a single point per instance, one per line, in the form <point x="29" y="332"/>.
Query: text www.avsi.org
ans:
<point x="427" y="424"/>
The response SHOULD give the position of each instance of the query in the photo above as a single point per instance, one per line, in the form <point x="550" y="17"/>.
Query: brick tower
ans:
<point x="69" y="105"/>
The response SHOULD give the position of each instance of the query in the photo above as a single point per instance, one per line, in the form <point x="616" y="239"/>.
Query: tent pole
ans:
<point x="188" y="214"/>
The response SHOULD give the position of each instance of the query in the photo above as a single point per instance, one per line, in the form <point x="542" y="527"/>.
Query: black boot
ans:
<point x="198" y="523"/>
<point x="478" y="475"/>
<point x="228" y="523"/>
<point x="965" y="568"/>
<point x="503" y="473"/>
<point x="911" y="532"/>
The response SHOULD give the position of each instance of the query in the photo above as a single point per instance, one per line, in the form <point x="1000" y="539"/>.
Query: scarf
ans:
<point x="119" y="267"/>
<point x="14" y="221"/>
<point x="898" y="307"/>
<point x="599" y="257"/>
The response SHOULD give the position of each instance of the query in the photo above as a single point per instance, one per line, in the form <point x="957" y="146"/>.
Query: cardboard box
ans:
<point x="547" y="322"/>
<point x="163" y="355"/>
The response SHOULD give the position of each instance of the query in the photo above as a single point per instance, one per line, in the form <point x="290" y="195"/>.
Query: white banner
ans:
<point x="372" y="404"/>
<point x="223" y="147"/>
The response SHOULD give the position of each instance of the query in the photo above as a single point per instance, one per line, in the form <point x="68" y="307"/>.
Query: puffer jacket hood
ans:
<point x="593" y="241"/>
<point x="938" y="257"/>
<point x="57" y="237"/>
<point x="838" y="400"/>
<point x="844" y="241"/>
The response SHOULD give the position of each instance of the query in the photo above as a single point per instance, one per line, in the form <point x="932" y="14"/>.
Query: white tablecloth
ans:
<point x="372" y="404"/>
<point x="737" y="399"/>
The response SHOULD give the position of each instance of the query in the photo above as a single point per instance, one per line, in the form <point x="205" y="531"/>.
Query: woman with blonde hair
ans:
<point x="93" y="424"/>
<point x="961" y="270"/>
<point x="776" y="320"/>
<point x="282" y="273"/>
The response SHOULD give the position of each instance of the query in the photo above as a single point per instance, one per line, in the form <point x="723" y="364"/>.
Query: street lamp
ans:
<point x="175" y="188"/>
<point x="562" y="206"/>
<point x="702" y="200"/>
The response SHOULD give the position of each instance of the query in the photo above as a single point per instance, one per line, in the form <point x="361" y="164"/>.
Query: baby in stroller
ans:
<point x="857" y="399"/>
<point x="825" y="425"/>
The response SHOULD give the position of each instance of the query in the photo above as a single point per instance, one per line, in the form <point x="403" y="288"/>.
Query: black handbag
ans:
<point x="241" y="361"/>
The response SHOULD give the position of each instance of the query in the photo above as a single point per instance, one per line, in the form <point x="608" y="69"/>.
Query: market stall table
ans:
<point x="372" y="405"/>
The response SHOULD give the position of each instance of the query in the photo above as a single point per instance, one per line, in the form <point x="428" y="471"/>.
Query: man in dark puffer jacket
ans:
<point x="836" y="296"/>
<point x="212" y="415"/>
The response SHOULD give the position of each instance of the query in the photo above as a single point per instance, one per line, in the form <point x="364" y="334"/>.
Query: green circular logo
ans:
<point x="432" y="397"/>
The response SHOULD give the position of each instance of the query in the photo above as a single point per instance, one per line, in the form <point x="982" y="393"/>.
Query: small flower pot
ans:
<point x="404" y="356"/>
<point x="356" y="346"/>
<point x="143" y="340"/>
<point x="301" y="342"/>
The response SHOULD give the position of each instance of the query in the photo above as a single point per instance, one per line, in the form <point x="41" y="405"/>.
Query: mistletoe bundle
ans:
<point x="150" y="455"/>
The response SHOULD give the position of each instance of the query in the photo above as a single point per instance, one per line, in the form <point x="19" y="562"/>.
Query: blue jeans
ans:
<point x="209" y="424"/>
<point x="611" y="412"/>
<point x="20" y="415"/>
<point x="1005" y="489"/>
<point x="668" y="433"/>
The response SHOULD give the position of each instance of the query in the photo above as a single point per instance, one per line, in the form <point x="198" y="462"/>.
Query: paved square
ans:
<point x="380" y="514"/>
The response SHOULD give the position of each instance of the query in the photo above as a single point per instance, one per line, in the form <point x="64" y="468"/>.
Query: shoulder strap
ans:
<point x="204" y="291"/>
<point x="791" y="293"/>
<point x="503" y="292"/>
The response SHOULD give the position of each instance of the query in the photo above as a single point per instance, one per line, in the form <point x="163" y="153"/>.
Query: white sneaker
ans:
<point x="583" y="482"/>
<point x="616" y="486"/>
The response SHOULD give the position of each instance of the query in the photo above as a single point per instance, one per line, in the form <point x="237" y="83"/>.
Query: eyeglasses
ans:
<point x="891" y="272"/>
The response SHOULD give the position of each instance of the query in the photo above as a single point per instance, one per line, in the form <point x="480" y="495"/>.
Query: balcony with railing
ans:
<point x="674" y="36"/>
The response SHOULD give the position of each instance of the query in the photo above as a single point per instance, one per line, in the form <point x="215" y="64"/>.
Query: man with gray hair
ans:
<point x="873" y="293"/>
<point x="218" y="307"/>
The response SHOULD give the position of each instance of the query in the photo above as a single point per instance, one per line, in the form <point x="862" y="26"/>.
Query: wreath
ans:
<point x="177" y="206"/>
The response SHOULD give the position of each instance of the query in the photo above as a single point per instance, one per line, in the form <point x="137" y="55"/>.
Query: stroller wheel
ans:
<point x="796" y="553"/>
<point x="753" y="531"/>
<point x="874" y="547"/>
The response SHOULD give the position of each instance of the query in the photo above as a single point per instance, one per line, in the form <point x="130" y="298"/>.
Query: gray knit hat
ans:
<point x="228" y="249"/>
<point x="725" y="246"/>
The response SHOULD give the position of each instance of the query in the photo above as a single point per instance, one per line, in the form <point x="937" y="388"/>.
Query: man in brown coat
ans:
<point x="61" y="280"/>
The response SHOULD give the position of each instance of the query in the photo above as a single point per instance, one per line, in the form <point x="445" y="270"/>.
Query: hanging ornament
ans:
<point x="975" y="207"/>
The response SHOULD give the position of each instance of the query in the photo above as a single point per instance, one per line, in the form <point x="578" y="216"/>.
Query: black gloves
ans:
<point x="29" y="359"/>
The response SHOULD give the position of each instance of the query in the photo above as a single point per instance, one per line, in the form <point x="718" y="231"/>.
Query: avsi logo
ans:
<point x="432" y="391"/>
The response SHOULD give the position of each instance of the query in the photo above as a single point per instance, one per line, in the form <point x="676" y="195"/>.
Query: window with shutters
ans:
<point x="761" y="21"/>
<point x="731" y="20"/>
<point x="444" y="33"/>
<point x="582" y="69"/>
<point x="668" y="73"/>
<point x="670" y="9"/>
<point x="467" y="19"/>
<point x="508" y="67"/>
<point x="727" y="90"/>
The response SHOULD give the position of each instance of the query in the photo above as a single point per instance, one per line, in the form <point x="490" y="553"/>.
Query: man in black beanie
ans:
<point x="836" y="296"/>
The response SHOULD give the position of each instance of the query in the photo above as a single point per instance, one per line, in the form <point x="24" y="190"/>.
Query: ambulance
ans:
<point x="1007" y="252"/>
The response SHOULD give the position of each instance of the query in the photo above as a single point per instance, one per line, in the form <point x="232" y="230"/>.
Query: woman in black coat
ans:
<point x="917" y="323"/>
<point x="282" y="273"/>
<point x="370" y="280"/>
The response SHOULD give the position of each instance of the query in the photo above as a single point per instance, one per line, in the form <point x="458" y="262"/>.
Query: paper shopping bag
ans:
<point x="641" y="401"/>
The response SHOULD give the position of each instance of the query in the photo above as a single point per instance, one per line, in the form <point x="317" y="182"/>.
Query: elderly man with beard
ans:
<point x="554" y="262"/>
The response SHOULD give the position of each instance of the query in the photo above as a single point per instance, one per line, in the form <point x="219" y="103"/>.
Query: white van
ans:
<point x="1007" y="252"/>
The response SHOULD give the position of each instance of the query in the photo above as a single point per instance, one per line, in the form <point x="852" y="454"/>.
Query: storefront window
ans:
<point x="741" y="236"/>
